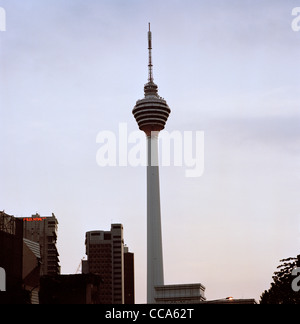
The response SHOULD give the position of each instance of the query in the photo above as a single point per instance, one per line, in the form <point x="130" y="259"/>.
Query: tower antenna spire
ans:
<point x="150" y="65"/>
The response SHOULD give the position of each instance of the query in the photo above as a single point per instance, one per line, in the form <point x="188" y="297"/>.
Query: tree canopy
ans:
<point x="281" y="290"/>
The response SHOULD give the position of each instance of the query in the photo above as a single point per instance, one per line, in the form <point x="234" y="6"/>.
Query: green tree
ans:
<point x="281" y="291"/>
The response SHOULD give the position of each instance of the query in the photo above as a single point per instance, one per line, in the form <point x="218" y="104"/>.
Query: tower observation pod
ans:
<point x="151" y="114"/>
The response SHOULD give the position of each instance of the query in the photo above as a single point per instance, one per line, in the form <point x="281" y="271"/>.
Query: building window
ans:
<point x="107" y="236"/>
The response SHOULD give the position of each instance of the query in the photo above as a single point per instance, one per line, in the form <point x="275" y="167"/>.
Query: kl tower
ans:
<point x="151" y="114"/>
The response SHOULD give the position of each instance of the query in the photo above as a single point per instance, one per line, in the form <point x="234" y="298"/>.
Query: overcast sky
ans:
<point x="71" y="69"/>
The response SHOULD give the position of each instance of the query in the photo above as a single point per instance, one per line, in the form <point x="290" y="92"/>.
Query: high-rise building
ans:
<point x="151" y="114"/>
<point x="105" y="251"/>
<point x="43" y="230"/>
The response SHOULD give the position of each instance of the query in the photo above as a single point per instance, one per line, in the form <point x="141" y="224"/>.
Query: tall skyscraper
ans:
<point x="151" y="114"/>
<point x="43" y="230"/>
<point x="107" y="257"/>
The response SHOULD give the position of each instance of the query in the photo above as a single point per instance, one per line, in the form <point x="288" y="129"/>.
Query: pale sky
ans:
<point x="70" y="69"/>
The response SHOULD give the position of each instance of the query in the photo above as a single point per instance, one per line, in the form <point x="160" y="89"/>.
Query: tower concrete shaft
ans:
<point x="151" y="114"/>
<point x="155" y="272"/>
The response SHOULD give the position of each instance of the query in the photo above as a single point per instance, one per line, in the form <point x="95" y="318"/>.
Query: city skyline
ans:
<point x="72" y="70"/>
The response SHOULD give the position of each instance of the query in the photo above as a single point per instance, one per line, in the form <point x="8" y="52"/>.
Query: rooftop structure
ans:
<point x="180" y="294"/>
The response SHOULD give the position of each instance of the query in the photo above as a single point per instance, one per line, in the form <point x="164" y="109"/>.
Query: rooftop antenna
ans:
<point x="150" y="79"/>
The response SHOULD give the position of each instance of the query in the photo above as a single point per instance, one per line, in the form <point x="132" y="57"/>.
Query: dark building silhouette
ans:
<point x="31" y="269"/>
<point x="11" y="259"/>
<point x="129" y="286"/>
<point x="106" y="257"/>
<point x="78" y="289"/>
<point x="21" y="260"/>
